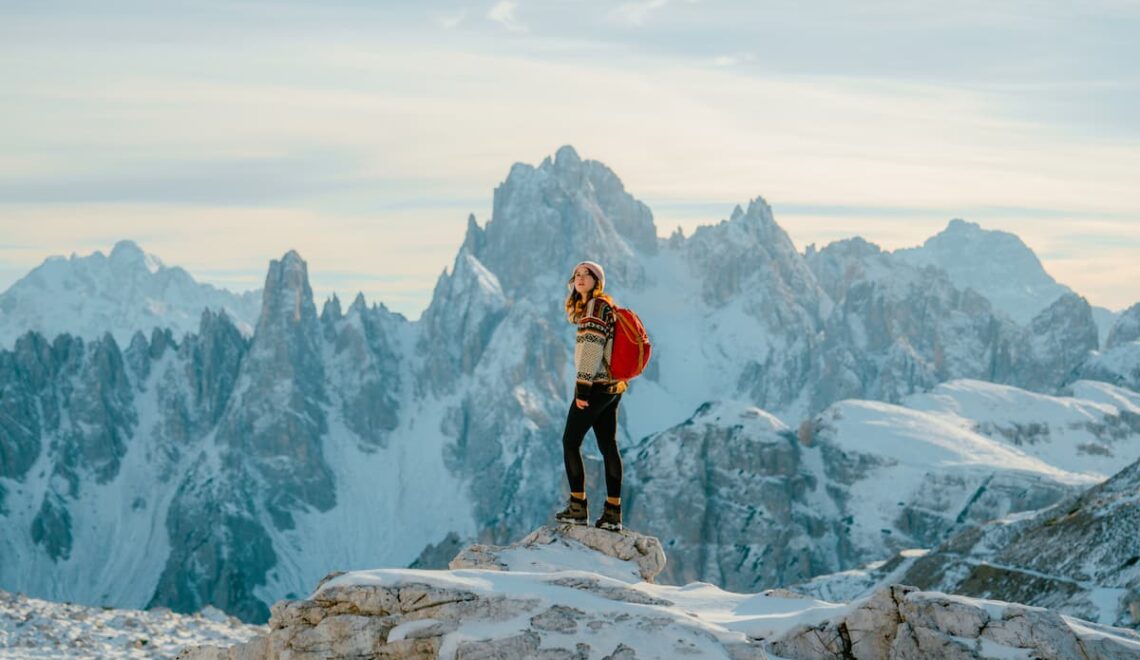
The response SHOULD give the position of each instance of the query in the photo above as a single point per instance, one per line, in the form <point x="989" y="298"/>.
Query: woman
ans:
<point x="596" y="396"/>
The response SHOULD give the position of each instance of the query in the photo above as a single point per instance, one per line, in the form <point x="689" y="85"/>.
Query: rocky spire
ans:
<point x="548" y="218"/>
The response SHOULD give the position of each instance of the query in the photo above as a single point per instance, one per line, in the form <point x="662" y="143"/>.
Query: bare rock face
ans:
<point x="644" y="552"/>
<point x="901" y="622"/>
<point x="1081" y="557"/>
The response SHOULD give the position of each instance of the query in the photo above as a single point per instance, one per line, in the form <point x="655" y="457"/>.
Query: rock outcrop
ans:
<point x="644" y="552"/>
<point x="902" y="622"/>
<point x="536" y="602"/>
<point x="542" y="611"/>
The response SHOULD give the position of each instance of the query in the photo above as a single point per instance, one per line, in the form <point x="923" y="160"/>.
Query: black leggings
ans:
<point x="602" y="416"/>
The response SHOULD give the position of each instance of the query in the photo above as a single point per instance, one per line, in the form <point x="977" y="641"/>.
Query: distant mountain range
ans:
<point x="132" y="291"/>
<point x="124" y="292"/>
<point x="826" y="408"/>
<point x="999" y="266"/>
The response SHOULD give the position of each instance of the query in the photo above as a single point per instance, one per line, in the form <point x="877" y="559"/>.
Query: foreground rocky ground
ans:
<point x="33" y="628"/>
<point x="573" y="592"/>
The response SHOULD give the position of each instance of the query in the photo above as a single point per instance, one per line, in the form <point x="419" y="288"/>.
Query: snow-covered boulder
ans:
<point x="536" y="601"/>
<point x="627" y="555"/>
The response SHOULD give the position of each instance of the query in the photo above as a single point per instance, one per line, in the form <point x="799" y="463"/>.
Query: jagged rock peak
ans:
<point x="1072" y="309"/>
<point x="577" y="174"/>
<point x="543" y="220"/>
<point x="292" y="259"/>
<point x="126" y="249"/>
<point x="856" y="246"/>
<point x="756" y="220"/>
<point x="961" y="235"/>
<point x="640" y="556"/>
<point x="287" y="292"/>
<point x="128" y="253"/>
<point x="758" y="212"/>
<point x="760" y="208"/>
<point x="1126" y="329"/>
<point x="567" y="157"/>
<point x="473" y="239"/>
<point x="960" y="227"/>
<point x="331" y="310"/>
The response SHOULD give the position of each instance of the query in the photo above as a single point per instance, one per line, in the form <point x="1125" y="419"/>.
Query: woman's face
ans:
<point x="584" y="280"/>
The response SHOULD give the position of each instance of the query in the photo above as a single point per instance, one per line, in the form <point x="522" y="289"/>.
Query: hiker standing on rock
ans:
<point x="597" y="395"/>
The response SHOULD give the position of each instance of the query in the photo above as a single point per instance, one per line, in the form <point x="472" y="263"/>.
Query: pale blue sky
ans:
<point x="220" y="135"/>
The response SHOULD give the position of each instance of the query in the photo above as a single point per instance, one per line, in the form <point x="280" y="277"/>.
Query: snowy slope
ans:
<point x="911" y="477"/>
<point x="124" y="292"/>
<point x="1095" y="431"/>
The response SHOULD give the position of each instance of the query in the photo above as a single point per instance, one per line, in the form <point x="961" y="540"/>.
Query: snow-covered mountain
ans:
<point x="749" y="503"/>
<point x="125" y="292"/>
<point x="896" y="329"/>
<point x="216" y="468"/>
<point x="999" y="266"/>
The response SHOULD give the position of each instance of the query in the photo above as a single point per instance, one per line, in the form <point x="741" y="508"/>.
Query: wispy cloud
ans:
<point x="326" y="113"/>
<point x="733" y="60"/>
<point x="503" y="13"/>
<point x="452" y="20"/>
<point x="635" y="13"/>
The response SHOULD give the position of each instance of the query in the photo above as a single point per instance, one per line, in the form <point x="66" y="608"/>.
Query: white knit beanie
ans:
<point x="596" y="269"/>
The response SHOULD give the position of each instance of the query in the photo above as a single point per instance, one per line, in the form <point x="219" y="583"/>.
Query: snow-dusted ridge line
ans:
<point x="123" y="292"/>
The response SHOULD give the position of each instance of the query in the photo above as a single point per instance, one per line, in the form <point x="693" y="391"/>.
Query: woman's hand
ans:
<point x="581" y="403"/>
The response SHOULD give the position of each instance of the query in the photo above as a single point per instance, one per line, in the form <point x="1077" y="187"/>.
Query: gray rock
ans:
<point x="627" y="545"/>
<point x="899" y="623"/>
<point x="410" y="618"/>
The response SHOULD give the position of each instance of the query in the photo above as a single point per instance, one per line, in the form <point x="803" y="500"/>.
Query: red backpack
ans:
<point x="631" y="345"/>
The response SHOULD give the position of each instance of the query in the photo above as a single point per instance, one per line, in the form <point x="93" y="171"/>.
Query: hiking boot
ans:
<point x="611" y="518"/>
<point x="575" y="513"/>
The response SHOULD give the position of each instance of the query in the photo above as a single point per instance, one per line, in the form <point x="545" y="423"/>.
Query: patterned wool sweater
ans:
<point x="593" y="348"/>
